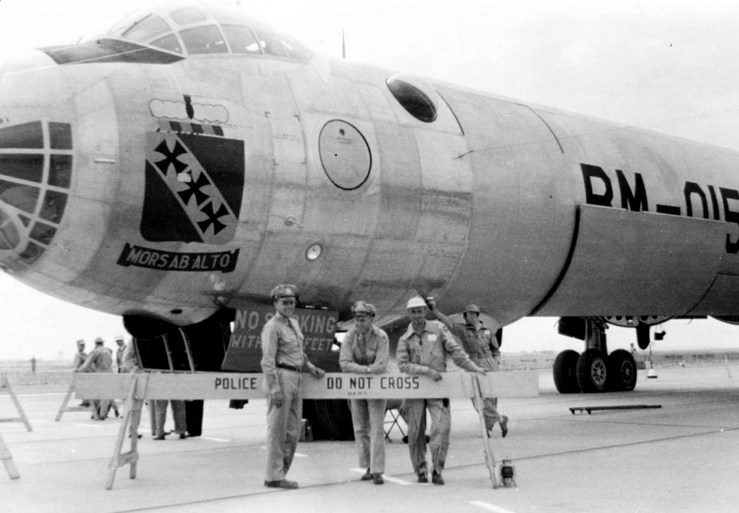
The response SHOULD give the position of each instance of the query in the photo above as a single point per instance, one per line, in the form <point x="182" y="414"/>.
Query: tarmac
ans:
<point x="681" y="457"/>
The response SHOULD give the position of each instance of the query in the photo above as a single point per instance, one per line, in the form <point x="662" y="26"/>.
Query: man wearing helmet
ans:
<point x="365" y="350"/>
<point x="423" y="349"/>
<point x="482" y="345"/>
<point x="283" y="365"/>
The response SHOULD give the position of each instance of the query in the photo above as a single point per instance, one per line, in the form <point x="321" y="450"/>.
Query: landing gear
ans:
<point x="592" y="371"/>
<point x="621" y="371"/>
<point x="565" y="378"/>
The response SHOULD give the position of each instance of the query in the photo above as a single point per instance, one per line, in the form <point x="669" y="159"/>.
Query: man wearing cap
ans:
<point x="119" y="353"/>
<point x="423" y="349"/>
<point x="283" y="363"/>
<point x="79" y="358"/>
<point x="365" y="350"/>
<point x="100" y="360"/>
<point x="482" y="345"/>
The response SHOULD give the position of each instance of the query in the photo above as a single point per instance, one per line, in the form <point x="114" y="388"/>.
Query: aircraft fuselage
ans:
<point x="174" y="188"/>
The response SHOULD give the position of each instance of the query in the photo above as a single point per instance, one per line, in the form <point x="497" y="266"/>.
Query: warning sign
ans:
<point x="244" y="352"/>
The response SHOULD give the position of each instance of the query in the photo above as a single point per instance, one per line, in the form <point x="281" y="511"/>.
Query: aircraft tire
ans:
<point x="592" y="371"/>
<point x="565" y="378"/>
<point x="621" y="371"/>
<point x="331" y="419"/>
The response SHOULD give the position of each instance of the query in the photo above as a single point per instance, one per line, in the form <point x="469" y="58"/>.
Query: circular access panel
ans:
<point x="345" y="155"/>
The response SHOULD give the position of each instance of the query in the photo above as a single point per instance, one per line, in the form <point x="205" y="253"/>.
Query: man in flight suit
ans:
<point x="365" y="350"/>
<point x="100" y="360"/>
<point x="79" y="358"/>
<point x="121" y="346"/>
<point x="423" y="349"/>
<point x="482" y="345"/>
<point x="283" y="365"/>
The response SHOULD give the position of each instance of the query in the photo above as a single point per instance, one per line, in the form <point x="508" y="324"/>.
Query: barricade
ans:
<point x="65" y="403"/>
<point x="207" y="385"/>
<point x="5" y="455"/>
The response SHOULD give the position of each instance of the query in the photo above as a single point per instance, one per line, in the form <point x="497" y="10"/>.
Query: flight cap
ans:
<point x="471" y="308"/>
<point x="80" y="342"/>
<point x="284" y="291"/>
<point x="360" y="307"/>
<point x="415" y="302"/>
<point x="99" y="340"/>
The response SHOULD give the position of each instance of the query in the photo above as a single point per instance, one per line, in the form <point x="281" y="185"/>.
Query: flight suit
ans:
<point x="79" y="359"/>
<point x="364" y="356"/>
<point x="482" y="347"/>
<point x="417" y="355"/>
<point x="100" y="360"/>
<point x="283" y="363"/>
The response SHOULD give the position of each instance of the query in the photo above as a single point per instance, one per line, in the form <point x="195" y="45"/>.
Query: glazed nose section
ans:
<point x="36" y="158"/>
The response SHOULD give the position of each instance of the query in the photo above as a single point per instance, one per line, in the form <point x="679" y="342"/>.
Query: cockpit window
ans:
<point x="269" y="42"/>
<point x="294" y="49"/>
<point x="203" y="30"/>
<point x="168" y="43"/>
<point x="146" y="29"/>
<point x="188" y="16"/>
<point x="241" y="39"/>
<point x="205" y="39"/>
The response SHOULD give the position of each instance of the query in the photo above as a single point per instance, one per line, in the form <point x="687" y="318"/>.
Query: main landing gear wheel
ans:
<point x="565" y="378"/>
<point x="592" y="371"/>
<point x="621" y="371"/>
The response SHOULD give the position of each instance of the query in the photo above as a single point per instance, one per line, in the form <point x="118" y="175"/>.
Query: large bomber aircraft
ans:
<point x="176" y="167"/>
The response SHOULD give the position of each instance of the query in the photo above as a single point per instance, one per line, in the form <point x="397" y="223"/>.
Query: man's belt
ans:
<point x="287" y="367"/>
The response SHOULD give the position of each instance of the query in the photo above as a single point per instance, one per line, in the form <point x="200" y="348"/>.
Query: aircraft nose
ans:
<point x="35" y="156"/>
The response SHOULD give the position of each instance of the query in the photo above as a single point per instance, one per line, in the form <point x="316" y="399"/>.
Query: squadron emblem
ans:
<point x="194" y="187"/>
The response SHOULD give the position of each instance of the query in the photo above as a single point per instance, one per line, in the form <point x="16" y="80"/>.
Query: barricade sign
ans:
<point x="334" y="385"/>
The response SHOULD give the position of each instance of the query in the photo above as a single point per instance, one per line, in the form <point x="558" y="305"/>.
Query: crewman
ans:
<point x="423" y="349"/>
<point x="481" y="344"/>
<point x="100" y="360"/>
<point x="79" y="358"/>
<point x="129" y="359"/>
<point x="283" y="363"/>
<point x="119" y="342"/>
<point x="366" y="350"/>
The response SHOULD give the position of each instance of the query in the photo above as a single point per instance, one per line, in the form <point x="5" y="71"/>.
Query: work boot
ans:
<point x="504" y="425"/>
<point x="422" y="478"/>
<point x="437" y="479"/>
<point x="282" y="483"/>
<point x="377" y="479"/>
<point x="366" y="476"/>
<point x="159" y="437"/>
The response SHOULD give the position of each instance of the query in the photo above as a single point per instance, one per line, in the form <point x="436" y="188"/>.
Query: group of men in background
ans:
<point x="100" y="360"/>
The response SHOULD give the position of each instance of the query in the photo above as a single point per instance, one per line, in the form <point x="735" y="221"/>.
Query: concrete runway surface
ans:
<point x="683" y="457"/>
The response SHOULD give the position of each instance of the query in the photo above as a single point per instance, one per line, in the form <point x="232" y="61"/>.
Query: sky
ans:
<point x="670" y="67"/>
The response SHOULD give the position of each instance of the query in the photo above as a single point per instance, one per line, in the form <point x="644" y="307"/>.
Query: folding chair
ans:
<point x="393" y="408"/>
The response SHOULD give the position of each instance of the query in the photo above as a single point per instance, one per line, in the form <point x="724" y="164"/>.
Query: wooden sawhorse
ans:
<point x="65" y="408"/>
<point x="5" y="455"/>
